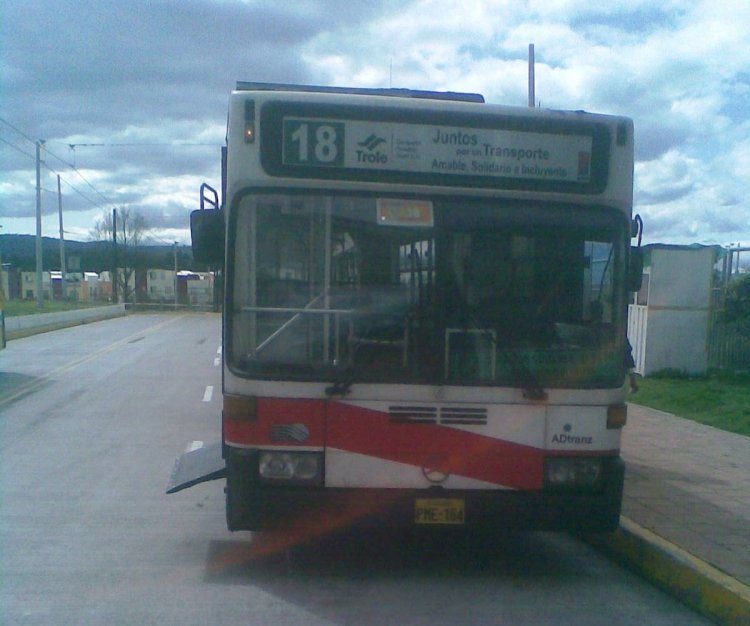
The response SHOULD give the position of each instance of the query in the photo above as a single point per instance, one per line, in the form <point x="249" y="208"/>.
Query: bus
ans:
<point x="425" y="307"/>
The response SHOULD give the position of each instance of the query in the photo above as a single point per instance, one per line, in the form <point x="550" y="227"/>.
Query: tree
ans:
<point x="131" y="226"/>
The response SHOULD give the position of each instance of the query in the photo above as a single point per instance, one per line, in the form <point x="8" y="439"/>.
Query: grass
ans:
<point x="719" y="399"/>
<point x="13" y="308"/>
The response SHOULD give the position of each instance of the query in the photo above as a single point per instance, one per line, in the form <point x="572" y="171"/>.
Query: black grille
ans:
<point x="474" y="416"/>
<point x="413" y="414"/>
<point x="460" y="415"/>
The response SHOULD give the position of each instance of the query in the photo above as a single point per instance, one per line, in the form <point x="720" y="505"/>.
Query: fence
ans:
<point x="728" y="346"/>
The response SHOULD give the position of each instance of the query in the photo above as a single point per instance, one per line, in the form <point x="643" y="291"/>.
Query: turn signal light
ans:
<point x="617" y="416"/>
<point x="240" y="408"/>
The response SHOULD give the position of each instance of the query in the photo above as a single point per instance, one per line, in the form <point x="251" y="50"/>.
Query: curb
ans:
<point x="18" y="327"/>
<point x="693" y="581"/>
<point x="37" y="330"/>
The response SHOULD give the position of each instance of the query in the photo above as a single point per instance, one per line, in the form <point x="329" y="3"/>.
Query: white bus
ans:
<point x="425" y="310"/>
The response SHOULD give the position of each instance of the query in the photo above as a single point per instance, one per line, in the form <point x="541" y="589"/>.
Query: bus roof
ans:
<point x="364" y="91"/>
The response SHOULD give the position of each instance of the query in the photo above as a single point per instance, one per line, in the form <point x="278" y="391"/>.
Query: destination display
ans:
<point x="436" y="149"/>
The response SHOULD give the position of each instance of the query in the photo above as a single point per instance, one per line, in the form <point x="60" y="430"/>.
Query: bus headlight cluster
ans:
<point x="291" y="467"/>
<point x="578" y="472"/>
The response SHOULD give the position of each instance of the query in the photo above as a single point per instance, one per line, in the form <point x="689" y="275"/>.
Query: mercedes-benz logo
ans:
<point x="431" y="469"/>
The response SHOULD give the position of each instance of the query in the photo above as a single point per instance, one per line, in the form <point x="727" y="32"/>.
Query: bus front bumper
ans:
<point x="252" y="506"/>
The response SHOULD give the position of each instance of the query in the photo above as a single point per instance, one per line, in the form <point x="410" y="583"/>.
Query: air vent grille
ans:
<point x="453" y="415"/>
<point x="448" y="416"/>
<point x="413" y="414"/>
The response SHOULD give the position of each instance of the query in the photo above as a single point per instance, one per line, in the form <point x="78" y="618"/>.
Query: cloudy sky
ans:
<point x="130" y="96"/>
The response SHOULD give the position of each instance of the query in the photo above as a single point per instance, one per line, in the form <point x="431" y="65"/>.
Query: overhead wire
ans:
<point x="72" y="166"/>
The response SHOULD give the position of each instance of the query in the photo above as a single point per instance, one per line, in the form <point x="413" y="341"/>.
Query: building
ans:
<point x="160" y="285"/>
<point x="28" y="286"/>
<point x="199" y="289"/>
<point x="669" y="321"/>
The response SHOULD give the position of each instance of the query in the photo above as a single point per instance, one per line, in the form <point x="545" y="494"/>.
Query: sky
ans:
<point x="130" y="96"/>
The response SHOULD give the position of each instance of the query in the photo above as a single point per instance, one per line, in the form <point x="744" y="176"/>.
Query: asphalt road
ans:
<point x="91" y="420"/>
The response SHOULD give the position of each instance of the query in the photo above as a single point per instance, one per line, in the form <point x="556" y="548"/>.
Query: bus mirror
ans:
<point x="207" y="232"/>
<point x="635" y="269"/>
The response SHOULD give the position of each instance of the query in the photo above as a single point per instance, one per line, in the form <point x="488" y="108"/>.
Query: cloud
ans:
<point x="140" y="88"/>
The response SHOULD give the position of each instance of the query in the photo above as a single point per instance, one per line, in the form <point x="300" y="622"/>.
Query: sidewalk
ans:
<point x="686" y="511"/>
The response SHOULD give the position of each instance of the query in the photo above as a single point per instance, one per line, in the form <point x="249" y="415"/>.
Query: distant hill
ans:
<point x="94" y="256"/>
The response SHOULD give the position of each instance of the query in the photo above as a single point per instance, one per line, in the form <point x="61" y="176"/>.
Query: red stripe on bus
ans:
<point x="278" y="412"/>
<point x="372" y="433"/>
<point x="428" y="446"/>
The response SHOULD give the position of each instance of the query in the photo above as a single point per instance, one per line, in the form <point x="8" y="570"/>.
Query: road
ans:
<point x="91" y="420"/>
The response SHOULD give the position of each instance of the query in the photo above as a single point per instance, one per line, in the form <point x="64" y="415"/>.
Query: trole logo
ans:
<point x="370" y="153"/>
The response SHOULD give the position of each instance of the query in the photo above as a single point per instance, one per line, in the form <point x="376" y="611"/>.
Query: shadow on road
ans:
<point x="369" y="554"/>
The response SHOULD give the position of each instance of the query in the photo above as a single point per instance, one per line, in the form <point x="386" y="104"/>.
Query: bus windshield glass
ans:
<point x="440" y="291"/>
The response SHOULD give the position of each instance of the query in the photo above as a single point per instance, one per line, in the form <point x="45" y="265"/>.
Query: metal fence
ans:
<point x="729" y="341"/>
<point x="728" y="346"/>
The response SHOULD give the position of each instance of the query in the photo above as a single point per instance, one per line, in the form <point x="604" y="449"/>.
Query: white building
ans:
<point x="668" y="325"/>
<point x="160" y="285"/>
<point x="200" y="292"/>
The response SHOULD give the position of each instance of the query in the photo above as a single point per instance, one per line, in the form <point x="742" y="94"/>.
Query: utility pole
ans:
<point x="175" y="274"/>
<point x="532" y="81"/>
<point x="114" y="256"/>
<point x="62" y="238"/>
<point x="39" y="266"/>
<point x="125" y="275"/>
<point x="3" y="295"/>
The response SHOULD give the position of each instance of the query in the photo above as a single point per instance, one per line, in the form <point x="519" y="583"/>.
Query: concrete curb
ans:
<point x="27" y="325"/>
<point x="693" y="581"/>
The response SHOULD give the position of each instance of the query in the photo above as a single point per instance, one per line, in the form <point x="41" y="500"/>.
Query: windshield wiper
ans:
<point x="342" y="386"/>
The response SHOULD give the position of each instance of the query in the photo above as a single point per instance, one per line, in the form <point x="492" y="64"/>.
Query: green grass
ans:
<point x="14" y="308"/>
<point x="719" y="399"/>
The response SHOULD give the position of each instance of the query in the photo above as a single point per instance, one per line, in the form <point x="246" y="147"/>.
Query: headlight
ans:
<point x="573" y="472"/>
<point x="291" y="467"/>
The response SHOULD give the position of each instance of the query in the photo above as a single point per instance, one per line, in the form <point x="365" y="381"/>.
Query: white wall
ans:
<point x="672" y="331"/>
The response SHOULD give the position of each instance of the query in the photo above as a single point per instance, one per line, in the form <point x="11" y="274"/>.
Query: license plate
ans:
<point x="439" y="511"/>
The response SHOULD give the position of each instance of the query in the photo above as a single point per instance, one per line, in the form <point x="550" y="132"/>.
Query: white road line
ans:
<point x="218" y="351"/>
<point x="194" y="445"/>
<point x="217" y="361"/>
<point x="208" y="394"/>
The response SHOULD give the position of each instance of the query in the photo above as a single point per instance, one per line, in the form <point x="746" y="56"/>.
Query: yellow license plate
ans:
<point x="439" y="511"/>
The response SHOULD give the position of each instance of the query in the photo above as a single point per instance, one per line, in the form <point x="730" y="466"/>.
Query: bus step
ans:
<point x="199" y="464"/>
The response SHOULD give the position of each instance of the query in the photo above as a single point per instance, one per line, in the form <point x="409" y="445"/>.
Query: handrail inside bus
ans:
<point x="364" y="91"/>
<point x="289" y="322"/>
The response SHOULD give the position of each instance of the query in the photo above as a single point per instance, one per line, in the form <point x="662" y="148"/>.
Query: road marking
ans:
<point x="193" y="446"/>
<point x="208" y="394"/>
<point x="43" y="380"/>
<point x="217" y="361"/>
<point x="218" y="351"/>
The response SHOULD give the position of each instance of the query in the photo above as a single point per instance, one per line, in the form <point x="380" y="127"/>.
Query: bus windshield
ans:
<point x="426" y="291"/>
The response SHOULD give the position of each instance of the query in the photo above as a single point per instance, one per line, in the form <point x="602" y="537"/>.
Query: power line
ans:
<point x="18" y="130"/>
<point x="48" y="152"/>
<point x="15" y="147"/>
<point x="62" y="178"/>
<point x="81" y="176"/>
<point x="72" y="166"/>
